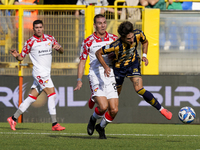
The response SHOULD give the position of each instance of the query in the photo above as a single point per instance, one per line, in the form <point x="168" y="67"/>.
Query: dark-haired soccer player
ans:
<point x="39" y="47"/>
<point x="127" y="62"/>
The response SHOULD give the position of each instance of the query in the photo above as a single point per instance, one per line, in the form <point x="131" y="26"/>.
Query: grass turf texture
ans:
<point x="119" y="137"/>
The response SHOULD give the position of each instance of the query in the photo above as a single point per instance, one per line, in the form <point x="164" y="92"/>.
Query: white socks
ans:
<point x="26" y="103"/>
<point x="30" y="99"/>
<point x="106" y="119"/>
<point x="51" y="103"/>
<point x="104" y="122"/>
<point x="52" y="106"/>
<point x="96" y="116"/>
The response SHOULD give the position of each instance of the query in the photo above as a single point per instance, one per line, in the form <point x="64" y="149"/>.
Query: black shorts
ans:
<point x="132" y="70"/>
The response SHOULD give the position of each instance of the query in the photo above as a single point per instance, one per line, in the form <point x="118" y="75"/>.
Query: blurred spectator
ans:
<point x="57" y="2"/>
<point x="97" y="10"/>
<point x="183" y="5"/>
<point x="195" y="5"/>
<point x="5" y="21"/>
<point x="187" y="5"/>
<point x="133" y="14"/>
<point x="97" y="3"/>
<point x="29" y="16"/>
<point x="154" y="4"/>
<point x="174" y="5"/>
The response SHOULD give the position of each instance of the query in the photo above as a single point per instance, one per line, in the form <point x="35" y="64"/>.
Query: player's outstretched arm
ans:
<point x="81" y="67"/>
<point x="103" y="63"/>
<point x="16" y="55"/>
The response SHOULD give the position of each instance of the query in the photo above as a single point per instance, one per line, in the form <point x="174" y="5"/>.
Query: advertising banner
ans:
<point x="173" y="92"/>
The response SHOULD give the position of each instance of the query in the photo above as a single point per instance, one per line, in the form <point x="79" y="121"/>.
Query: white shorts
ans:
<point x="101" y="85"/>
<point x="42" y="82"/>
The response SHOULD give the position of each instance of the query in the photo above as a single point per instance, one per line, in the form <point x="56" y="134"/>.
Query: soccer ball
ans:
<point x="186" y="114"/>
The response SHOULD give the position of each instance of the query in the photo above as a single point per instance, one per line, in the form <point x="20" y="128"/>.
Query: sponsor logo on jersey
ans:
<point x="96" y="46"/>
<point x="96" y="89"/>
<point x="48" y="44"/>
<point x="43" y="51"/>
<point x="115" y="43"/>
<point x="46" y="81"/>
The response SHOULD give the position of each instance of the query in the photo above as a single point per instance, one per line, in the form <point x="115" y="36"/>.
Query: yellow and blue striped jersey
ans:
<point x="125" y="54"/>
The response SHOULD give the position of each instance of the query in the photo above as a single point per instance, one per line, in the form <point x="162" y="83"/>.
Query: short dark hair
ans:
<point x="37" y="22"/>
<point x="125" y="28"/>
<point x="98" y="16"/>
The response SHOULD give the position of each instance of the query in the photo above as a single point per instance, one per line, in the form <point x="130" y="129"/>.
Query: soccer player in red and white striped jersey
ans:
<point x="103" y="88"/>
<point x="39" y="47"/>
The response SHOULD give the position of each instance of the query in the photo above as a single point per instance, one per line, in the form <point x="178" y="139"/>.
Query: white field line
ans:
<point x="84" y="134"/>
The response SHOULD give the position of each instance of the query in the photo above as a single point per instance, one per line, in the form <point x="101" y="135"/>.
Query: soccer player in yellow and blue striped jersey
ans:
<point x="126" y="62"/>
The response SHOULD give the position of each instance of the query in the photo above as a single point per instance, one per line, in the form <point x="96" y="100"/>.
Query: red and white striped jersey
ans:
<point x="40" y="52"/>
<point x="93" y="43"/>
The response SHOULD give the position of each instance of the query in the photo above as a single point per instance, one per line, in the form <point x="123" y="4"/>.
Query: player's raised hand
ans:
<point x="145" y="60"/>
<point x="107" y="71"/>
<point x="14" y="53"/>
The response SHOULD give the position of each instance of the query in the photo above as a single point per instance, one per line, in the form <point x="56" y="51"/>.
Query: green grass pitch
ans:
<point x="38" y="136"/>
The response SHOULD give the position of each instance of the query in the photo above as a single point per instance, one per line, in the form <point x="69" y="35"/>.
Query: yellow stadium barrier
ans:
<point x="89" y="14"/>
